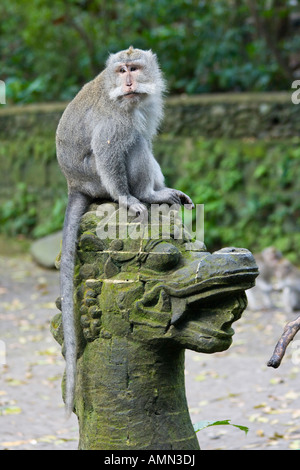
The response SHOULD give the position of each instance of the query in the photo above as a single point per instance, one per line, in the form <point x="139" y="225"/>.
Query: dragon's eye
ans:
<point x="163" y="257"/>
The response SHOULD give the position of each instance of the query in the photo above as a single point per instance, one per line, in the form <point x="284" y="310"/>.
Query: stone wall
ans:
<point x="27" y="133"/>
<point x="258" y="115"/>
<point x="39" y="119"/>
<point x="236" y="153"/>
<point x="237" y="115"/>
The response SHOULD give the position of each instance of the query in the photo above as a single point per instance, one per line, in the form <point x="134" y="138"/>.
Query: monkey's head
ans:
<point x="133" y="76"/>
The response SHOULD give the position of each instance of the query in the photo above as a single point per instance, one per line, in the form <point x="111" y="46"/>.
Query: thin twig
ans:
<point x="290" y="330"/>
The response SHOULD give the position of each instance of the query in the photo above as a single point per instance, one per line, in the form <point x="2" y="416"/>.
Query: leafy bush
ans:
<point x="55" y="220"/>
<point x="250" y="189"/>
<point x="22" y="215"/>
<point x="51" y="48"/>
<point x="19" y="215"/>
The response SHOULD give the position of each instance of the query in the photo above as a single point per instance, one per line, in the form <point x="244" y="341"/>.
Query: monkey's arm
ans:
<point x="160" y="194"/>
<point x="110" y="152"/>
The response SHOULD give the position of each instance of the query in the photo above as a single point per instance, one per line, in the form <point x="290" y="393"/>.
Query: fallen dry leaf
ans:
<point x="18" y="443"/>
<point x="10" y="410"/>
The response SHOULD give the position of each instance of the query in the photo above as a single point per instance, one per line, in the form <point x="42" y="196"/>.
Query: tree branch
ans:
<point x="290" y="330"/>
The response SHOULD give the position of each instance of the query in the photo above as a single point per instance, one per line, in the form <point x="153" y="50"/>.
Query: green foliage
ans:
<point x="19" y="215"/>
<point x="250" y="190"/>
<point x="50" y="48"/>
<point x="55" y="220"/>
<point x="206" y="424"/>
<point x="38" y="205"/>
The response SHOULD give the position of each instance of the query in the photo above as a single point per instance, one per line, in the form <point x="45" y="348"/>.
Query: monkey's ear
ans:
<point x="109" y="59"/>
<point x="151" y="56"/>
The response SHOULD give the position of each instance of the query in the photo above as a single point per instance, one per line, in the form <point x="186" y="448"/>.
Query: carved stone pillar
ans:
<point x="140" y="302"/>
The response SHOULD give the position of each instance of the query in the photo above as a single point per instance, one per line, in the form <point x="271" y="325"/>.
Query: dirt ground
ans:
<point x="235" y="385"/>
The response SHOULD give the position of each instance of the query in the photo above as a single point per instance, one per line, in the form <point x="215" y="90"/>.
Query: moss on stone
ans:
<point x="135" y="315"/>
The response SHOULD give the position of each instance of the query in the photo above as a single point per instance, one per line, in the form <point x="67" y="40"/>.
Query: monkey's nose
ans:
<point x="128" y="81"/>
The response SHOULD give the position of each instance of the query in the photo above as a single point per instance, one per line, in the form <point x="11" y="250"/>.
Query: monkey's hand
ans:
<point x="172" y="196"/>
<point x="184" y="199"/>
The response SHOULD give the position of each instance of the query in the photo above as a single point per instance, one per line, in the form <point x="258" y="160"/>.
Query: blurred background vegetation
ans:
<point x="49" y="49"/>
<point x="250" y="188"/>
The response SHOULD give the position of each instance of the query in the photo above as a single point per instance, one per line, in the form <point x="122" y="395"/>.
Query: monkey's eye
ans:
<point x="122" y="70"/>
<point x="133" y="69"/>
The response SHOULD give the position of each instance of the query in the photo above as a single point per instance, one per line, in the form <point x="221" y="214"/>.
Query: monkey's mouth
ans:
<point x="131" y="93"/>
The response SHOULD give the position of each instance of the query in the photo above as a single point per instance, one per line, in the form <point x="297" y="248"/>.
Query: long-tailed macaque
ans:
<point x="288" y="282"/>
<point x="278" y="283"/>
<point x="104" y="150"/>
<point x="260" y="296"/>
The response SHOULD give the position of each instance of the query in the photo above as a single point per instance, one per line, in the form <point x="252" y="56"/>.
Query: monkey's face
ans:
<point x="131" y="84"/>
<point x="133" y="76"/>
<point x="128" y="76"/>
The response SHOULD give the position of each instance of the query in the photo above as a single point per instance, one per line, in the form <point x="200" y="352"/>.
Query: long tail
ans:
<point x="77" y="205"/>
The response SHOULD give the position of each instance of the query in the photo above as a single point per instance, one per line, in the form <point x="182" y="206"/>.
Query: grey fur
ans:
<point x="104" y="148"/>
